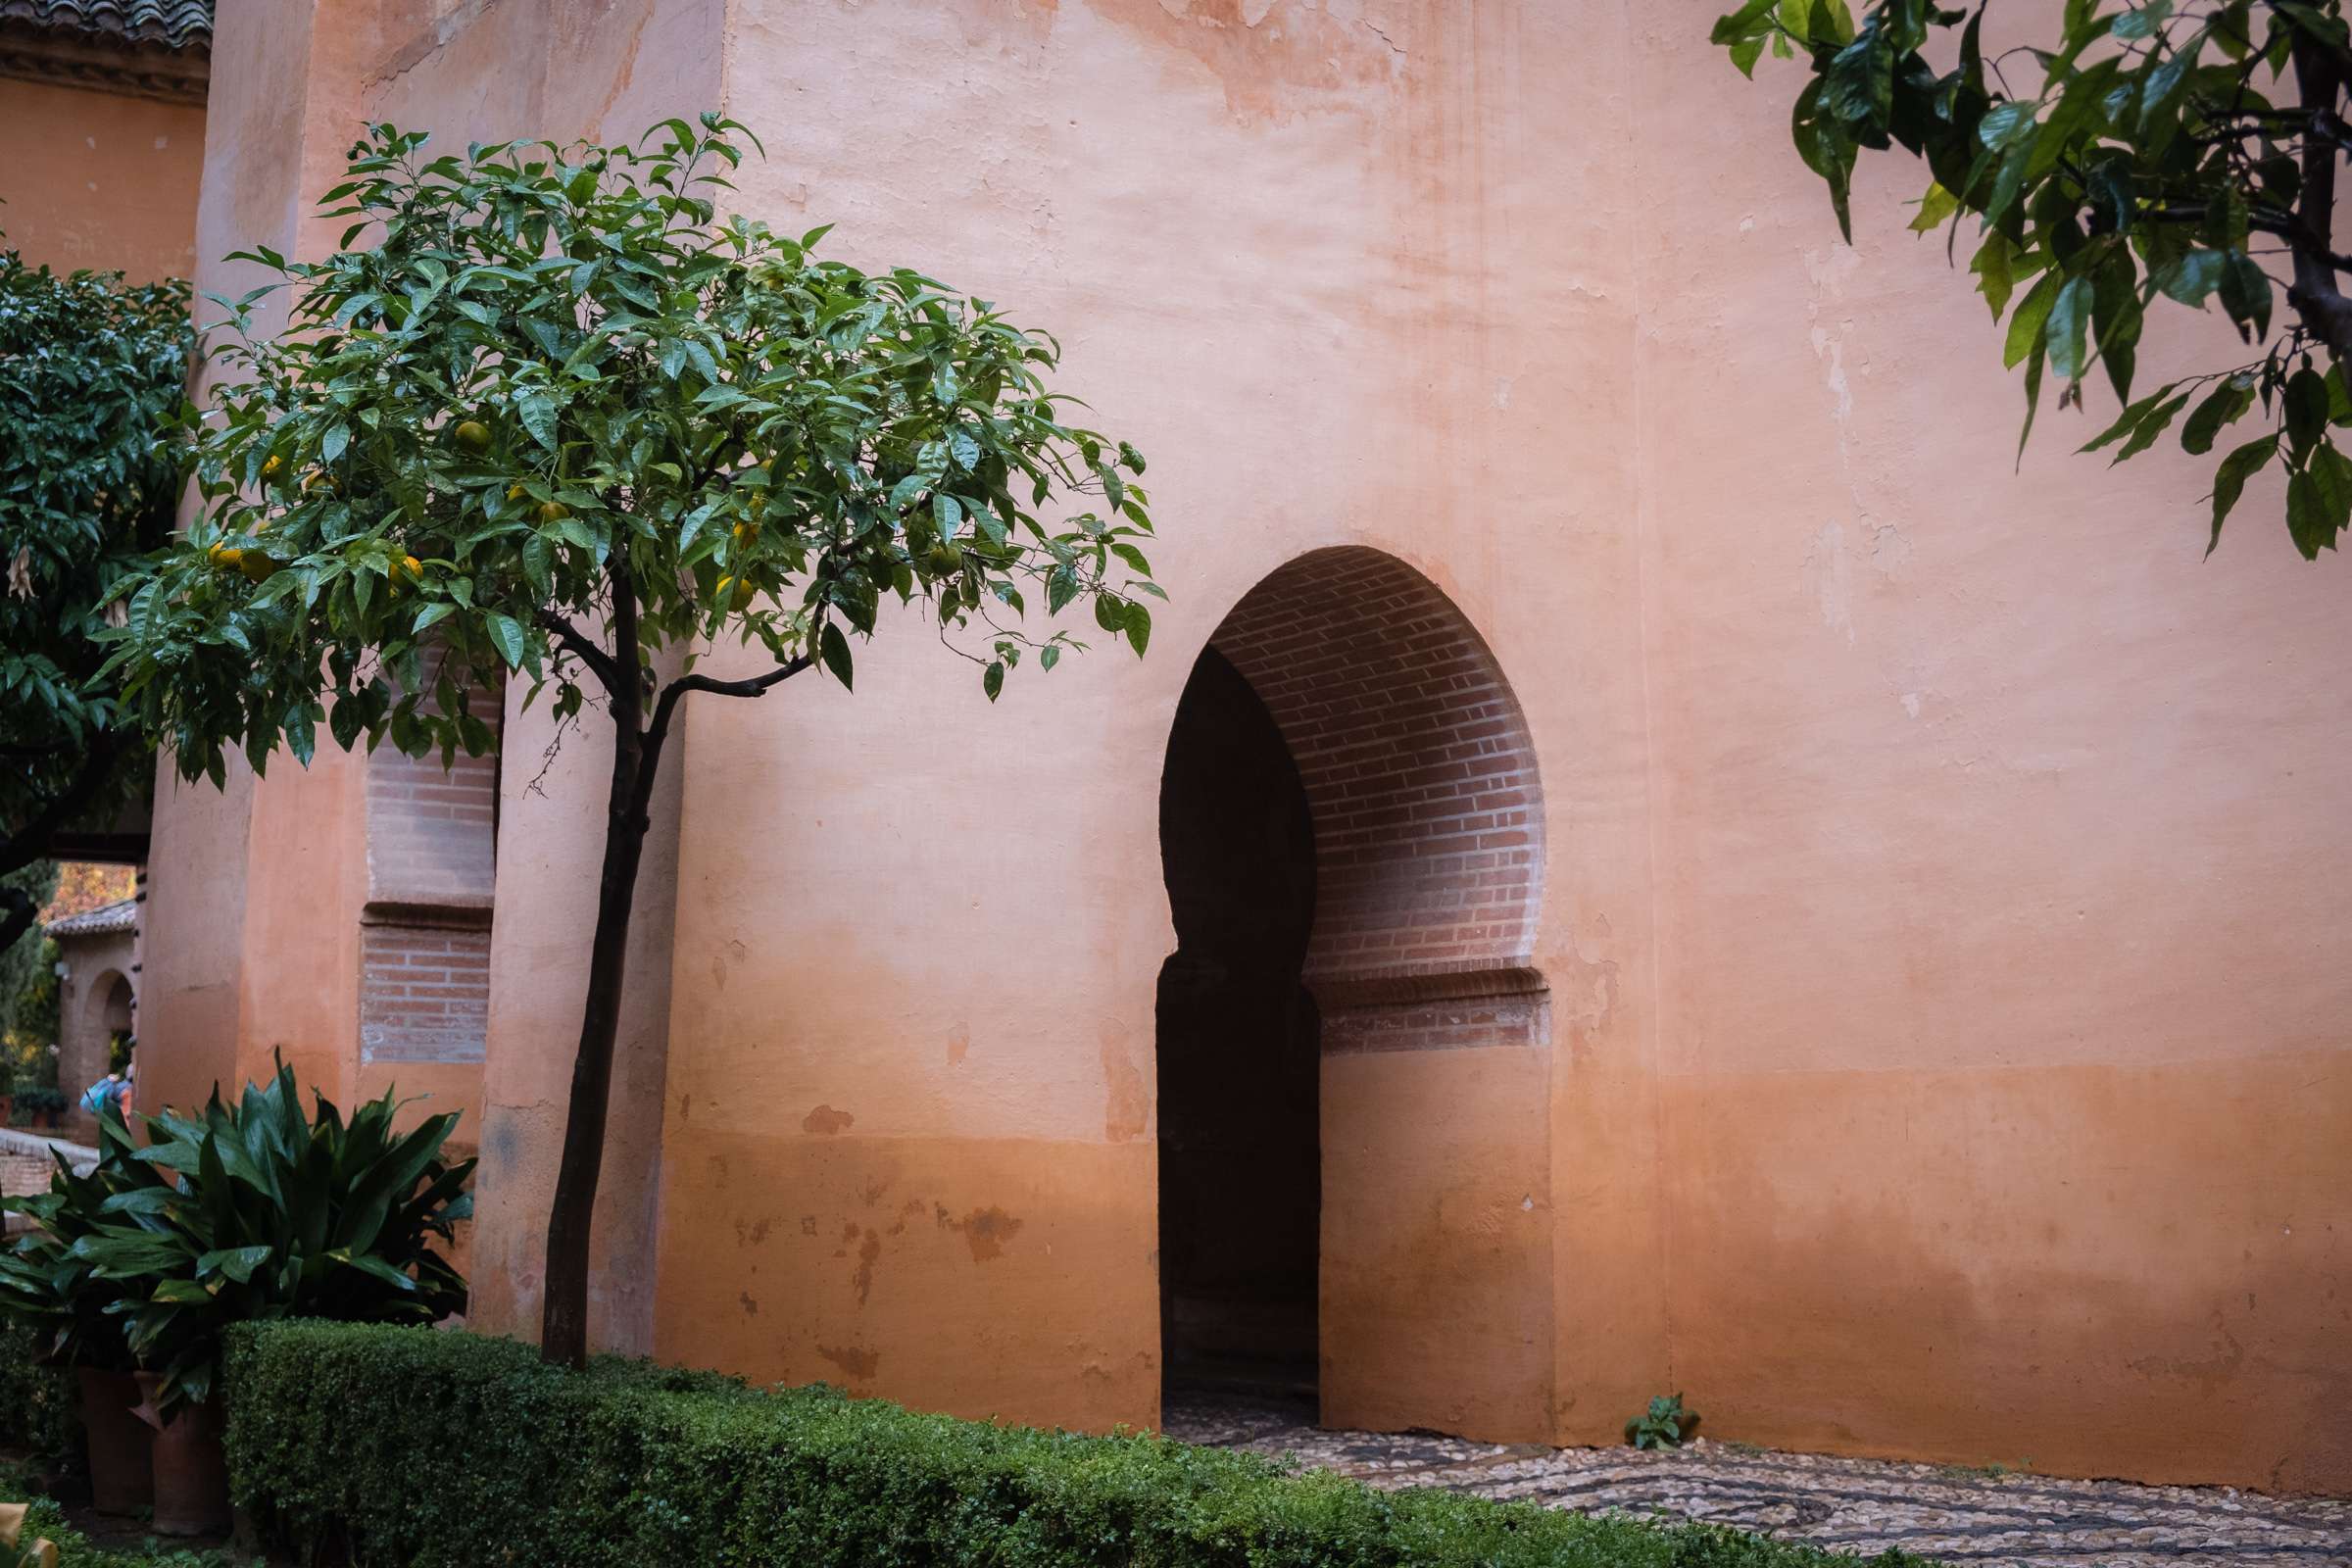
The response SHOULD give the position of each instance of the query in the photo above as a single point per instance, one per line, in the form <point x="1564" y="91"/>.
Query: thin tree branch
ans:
<point x="578" y="645"/>
<point x="659" y="730"/>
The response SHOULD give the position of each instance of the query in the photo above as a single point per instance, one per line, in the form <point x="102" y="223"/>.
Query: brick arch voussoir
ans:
<point x="1427" y="801"/>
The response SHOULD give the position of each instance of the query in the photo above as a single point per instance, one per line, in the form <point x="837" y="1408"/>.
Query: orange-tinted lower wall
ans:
<point x="2139" y="1271"/>
<point x="980" y="1277"/>
<point x="100" y="182"/>
<point x="1437" y="1242"/>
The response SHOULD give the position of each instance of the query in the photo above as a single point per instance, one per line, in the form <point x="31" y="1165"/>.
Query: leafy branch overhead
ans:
<point x="87" y="364"/>
<point x="2148" y="152"/>
<point x="554" y="415"/>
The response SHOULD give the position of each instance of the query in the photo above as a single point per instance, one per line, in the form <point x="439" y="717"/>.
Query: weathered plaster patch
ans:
<point x="1126" y="1110"/>
<point x="986" y="1231"/>
<point x="857" y="1360"/>
<point x="1829" y="577"/>
<point x="1275" y="59"/>
<point x="960" y="1042"/>
<point x="824" y="1120"/>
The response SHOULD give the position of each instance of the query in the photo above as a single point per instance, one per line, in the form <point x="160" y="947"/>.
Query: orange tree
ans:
<point x="2123" y="156"/>
<point x="547" y="415"/>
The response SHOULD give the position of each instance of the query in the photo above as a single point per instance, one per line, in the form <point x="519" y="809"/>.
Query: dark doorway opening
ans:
<point x="1239" y="1147"/>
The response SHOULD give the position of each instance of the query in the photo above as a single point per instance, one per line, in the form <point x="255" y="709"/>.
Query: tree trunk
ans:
<point x="563" y="1317"/>
<point x="564" y="1327"/>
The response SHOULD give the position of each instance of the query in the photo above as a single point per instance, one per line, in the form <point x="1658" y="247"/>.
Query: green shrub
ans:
<point x="417" y="1447"/>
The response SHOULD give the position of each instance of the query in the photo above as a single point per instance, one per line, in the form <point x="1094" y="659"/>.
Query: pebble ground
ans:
<point x="1856" y="1505"/>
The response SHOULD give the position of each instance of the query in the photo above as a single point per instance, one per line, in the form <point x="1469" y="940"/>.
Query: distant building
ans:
<point x="102" y="111"/>
<point x="97" y="999"/>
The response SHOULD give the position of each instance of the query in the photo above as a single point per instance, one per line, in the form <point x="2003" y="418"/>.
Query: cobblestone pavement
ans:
<point x="1858" y="1505"/>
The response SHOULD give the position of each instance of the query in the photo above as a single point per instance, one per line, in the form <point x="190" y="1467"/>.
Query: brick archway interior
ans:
<point x="1350" y="830"/>
<point x="1422" y="782"/>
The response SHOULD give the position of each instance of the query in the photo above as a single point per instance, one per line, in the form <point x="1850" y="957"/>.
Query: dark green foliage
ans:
<point x="46" y="1521"/>
<point x="2168" y="150"/>
<point x="252" y="1211"/>
<point x="88" y="365"/>
<point x="1664" y="1425"/>
<point x="400" y="1446"/>
<point x="38" y="1404"/>
<point x="29" y="994"/>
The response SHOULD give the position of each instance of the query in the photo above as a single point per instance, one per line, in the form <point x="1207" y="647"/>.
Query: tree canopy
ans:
<point x="556" y="372"/>
<point x="2128" y="154"/>
<point x="88" y="365"/>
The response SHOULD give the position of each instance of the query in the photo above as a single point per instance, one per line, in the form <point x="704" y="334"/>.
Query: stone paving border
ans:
<point x="1858" y="1505"/>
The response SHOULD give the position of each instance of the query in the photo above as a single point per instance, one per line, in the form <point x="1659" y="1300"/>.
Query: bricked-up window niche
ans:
<point x="1421" y="779"/>
<point x="424" y="941"/>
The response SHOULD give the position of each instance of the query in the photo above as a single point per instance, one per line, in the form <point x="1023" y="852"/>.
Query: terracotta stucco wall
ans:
<point x="1278" y="256"/>
<point x="99" y="180"/>
<point x="1943" y="1058"/>
<point x="2004" y="1085"/>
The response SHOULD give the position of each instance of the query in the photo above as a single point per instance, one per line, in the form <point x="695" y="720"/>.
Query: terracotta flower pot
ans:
<point x="191" y="1472"/>
<point x="121" y="1469"/>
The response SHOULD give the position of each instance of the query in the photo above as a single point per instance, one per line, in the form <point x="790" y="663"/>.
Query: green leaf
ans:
<point x="2149" y="428"/>
<point x="992" y="679"/>
<point x="2306" y="407"/>
<point x="2069" y="321"/>
<point x="1751" y="21"/>
<point x="508" y="636"/>
<point x="2223" y="406"/>
<point x="2032" y="314"/>
<point x="2246" y="295"/>
<point x="1992" y="269"/>
<point x="2306" y="515"/>
<point x="2229" y="480"/>
<point x="1935" y="207"/>
<point x="2190" y="278"/>
<point x="834" y="648"/>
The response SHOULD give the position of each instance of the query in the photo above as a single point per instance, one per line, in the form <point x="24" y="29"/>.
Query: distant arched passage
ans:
<point x="1351" y="831"/>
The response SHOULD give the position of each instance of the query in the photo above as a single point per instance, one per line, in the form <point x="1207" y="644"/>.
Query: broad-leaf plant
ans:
<point x="252" y="1209"/>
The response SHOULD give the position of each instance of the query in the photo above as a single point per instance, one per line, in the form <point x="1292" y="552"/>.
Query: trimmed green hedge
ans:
<point x="415" y="1446"/>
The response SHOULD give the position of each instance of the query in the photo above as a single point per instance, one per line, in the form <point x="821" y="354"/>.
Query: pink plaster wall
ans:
<point x="2003" y="1081"/>
<point x="1943" y="1056"/>
<point x="95" y="180"/>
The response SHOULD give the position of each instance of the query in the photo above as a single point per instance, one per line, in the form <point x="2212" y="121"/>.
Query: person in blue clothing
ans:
<point x="115" y="1088"/>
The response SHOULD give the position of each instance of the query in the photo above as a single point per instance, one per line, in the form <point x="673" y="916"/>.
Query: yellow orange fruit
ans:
<point x="225" y="558"/>
<point x="273" y="467"/>
<point x="735" y="592"/>
<point x="553" y="511"/>
<point x="256" y="566"/>
<point x="473" y="437"/>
